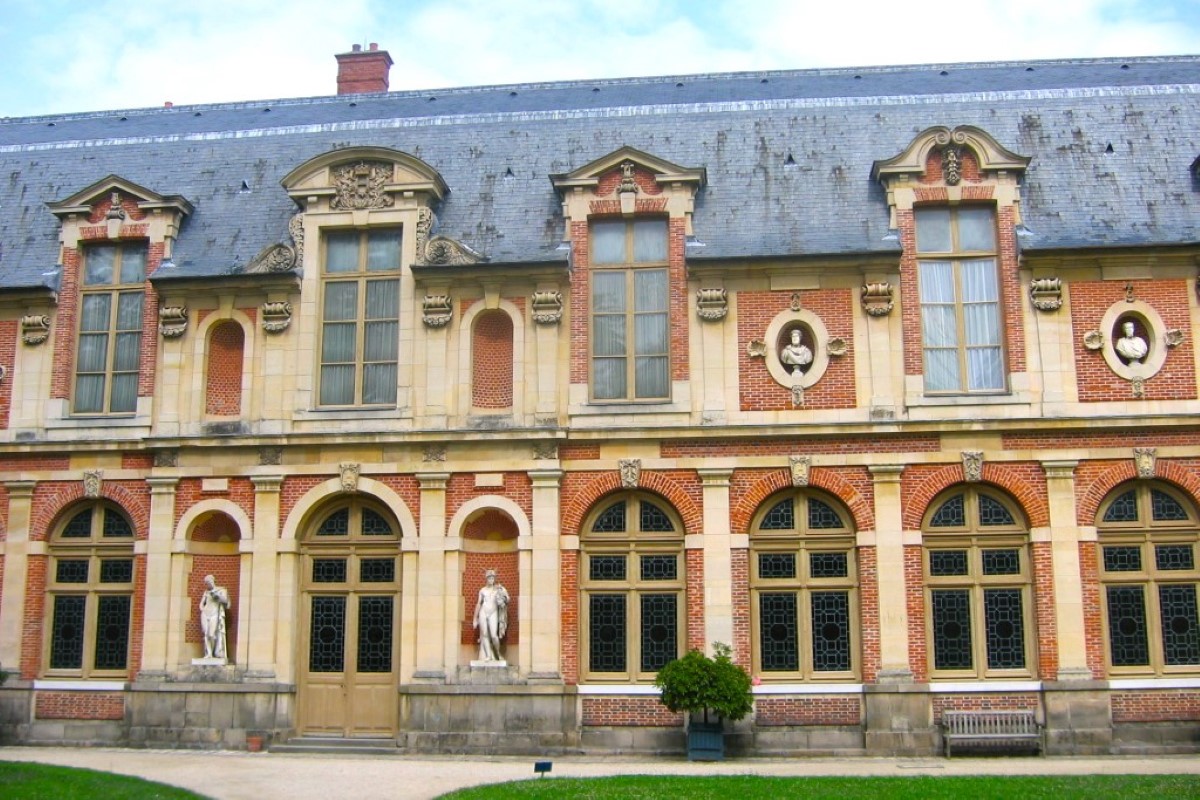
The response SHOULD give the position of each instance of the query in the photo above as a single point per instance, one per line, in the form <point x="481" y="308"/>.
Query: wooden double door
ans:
<point x="349" y="651"/>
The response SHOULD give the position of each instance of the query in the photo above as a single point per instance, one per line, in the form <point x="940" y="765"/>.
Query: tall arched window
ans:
<point x="632" y="579"/>
<point x="804" y="584"/>
<point x="1148" y="534"/>
<point x="91" y="593"/>
<point x="977" y="585"/>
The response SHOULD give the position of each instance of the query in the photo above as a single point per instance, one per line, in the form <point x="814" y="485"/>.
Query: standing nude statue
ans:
<point x="491" y="617"/>
<point x="213" y="604"/>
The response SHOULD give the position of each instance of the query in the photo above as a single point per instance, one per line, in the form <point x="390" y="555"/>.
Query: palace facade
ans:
<point x="885" y="377"/>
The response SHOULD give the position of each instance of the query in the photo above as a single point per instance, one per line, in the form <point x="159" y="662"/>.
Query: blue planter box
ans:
<point x="706" y="742"/>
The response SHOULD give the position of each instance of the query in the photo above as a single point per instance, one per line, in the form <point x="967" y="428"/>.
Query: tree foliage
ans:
<point x="699" y="683"/>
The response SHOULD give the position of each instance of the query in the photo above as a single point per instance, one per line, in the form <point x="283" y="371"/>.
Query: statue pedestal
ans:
<point x="211" y="661"/>
<point x="488" y="673"/>
<point x="477" y="664"/>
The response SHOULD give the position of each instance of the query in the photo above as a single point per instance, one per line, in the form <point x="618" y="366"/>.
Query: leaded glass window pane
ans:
<point x="947" y="562"/>
<point x="659" y="568"/>
<point x="1002" y="562"/>
<point x="375" y="634"/>
<point x="1004" y="620"/>
<point x="66" y="632"/>
<point x="777" y="565"/>
<point x="831" y="631"/>
<point x="80" y="526"/>
<point x="606" y="568"/>
<point x="1127" y="630"/>
<point x="606" y="634"/>
<point x="828" y="565"/>
<point x="329" y="570"/>
<point x="659" y="634"/>
<point x="1180" y="634"/>
<point x="611" y="520"/>
<point x="1123" y="509"/>
<point x="374" y="524"/>
<point x="336" y="524"/>
<point x="781" y="517"/>
<point x="951" y="629"/>
<point x="951" y="514"/>
<point x="112" y="631"/>
<point x="821" y="516"/>
<point x="326" y="648"/>
<point x="654" y="519"/>
<point x="116" y="570"/>
<point x="993" y="512"/>
<point x="1174" y="557"/>
<point x="72" y="570"/>
<point x="377" y="570"/>
<point x="778" y="632"/>
<point x="1122" y="558"/>
<point x="115" y="525"/>
<point x="1165" y="508"/>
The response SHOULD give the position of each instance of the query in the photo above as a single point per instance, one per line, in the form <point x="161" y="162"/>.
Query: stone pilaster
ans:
<point x="260" y="602"/>
<point x="541" y="624"/>
<point x="16" y="564"/>
<point x="157" y="633"/>
<point x="718" y="566"/>
<point x="432" y="637"/>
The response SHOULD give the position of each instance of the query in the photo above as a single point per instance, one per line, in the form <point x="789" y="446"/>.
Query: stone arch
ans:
<point x="1036" y="510"/>
<point x="317" y="495"/>
<point x="657" y="483"/>
<point x="58" y="503"/>
<point x="819" y="478"/>
<point x="1108" y="480"/>
<point x="459" y="521"/>
<point x="196" y="514"/>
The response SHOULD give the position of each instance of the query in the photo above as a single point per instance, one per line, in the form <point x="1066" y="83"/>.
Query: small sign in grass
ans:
<point x="915" y="787"/>
<point x="22" y="780"/>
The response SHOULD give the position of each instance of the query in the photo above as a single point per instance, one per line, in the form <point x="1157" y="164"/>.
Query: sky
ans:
<point x="66" y="56"/>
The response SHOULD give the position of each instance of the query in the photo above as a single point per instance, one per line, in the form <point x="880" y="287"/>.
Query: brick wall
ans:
<point x="189" y="491"/>
<point x="508" y="573"/>
<point x="808" y="445"/>
<point x="914" y="600"/>
<point x="1096" y="382"/>
<point x="694" y="598"/>
<point x="1164" y="706"/>
<point x="518" y="487"/>
<point x="868" y="606"/>
<point x="52" y="498"/>
<point x="757" y="390"/>
<point x="982" y="702"/>
<point x="739" y="568"/>
<point x="79" y="705"/>
<point x="838" y="710"/>
<point x="492" y="361"/>
<point x="1089" y="574"/>
<point x="627" y="712"/>
<point x="569" y="608"/>
<point x="223" y="383"/>
<point x="1042" y="560"/>
<point x="582" y="490"/>
<point x="8" y="359"/>
<point x="35" y="616"/>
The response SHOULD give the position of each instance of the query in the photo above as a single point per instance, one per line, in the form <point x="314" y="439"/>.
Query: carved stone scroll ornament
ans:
<point x="837" y="347"/>
<point x="712" y="304"/>
<point x="92" y="483"/>
<point x="800" y="467"/>
<point x="547" y="307"/>
<point x="1046" y="293"/>
<point x="1144" y="460"/>
<point x="757" y="348"/>
<point x="281" y="257"/>
<point x="172" y="321"/>
<point x="444" y="251"/>
<point x="972" y="461"/>
<point x="877" y="298"/>
<point x="628" y="184"/>
<point x="1093" y="340"/>
<point x="1173" y="337"/>
<point x="276" y="316"/>
<point x="349" y="474"/>
<point x="361" y="185"/>
<point x="631" y="472"/>
<point x="436" y="310"/>
<point x="797" y="395"/>
<point x="426" y="220"/>
<point x="35" y="328"/>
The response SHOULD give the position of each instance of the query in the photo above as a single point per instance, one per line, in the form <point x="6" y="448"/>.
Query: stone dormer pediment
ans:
<point x="115" y="195"/>
<point x="629" y="162"/>
<point x="362" y="179"/>
<point x="913" y="161"/>
<point x="627" y="182"/>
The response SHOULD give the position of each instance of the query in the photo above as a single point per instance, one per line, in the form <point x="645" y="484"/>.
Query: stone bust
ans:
<point x="795" y="355"/>
<point x="1130" y="346"/>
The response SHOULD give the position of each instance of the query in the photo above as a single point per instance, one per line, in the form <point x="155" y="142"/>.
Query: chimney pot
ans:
<point x="362" y="71"/>
<point x="168" y="104"/>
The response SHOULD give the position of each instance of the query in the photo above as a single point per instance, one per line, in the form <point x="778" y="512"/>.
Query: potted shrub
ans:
<point x="714" y="687"/>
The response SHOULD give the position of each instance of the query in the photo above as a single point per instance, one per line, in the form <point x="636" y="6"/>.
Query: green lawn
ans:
<point x="917" y="787"/>
<point x="21" y="780"/>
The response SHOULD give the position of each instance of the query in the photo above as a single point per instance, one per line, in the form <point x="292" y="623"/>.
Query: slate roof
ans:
<point x="496" y="146"/>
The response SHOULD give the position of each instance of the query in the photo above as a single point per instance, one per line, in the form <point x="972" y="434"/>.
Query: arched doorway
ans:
<point x="349" y="653"/>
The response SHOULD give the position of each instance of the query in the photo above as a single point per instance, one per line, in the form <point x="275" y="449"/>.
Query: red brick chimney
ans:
<point x="362" y="71"/>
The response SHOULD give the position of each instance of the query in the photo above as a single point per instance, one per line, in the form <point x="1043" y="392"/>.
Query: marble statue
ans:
<point x="796" y="355"/>
<point x="491" y="617"/>
<point x="213" y="605"/>
<point x="1131" y="346"/>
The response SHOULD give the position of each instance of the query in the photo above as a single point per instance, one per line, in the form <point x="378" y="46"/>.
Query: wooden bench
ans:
<point x="992" y="726"/>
